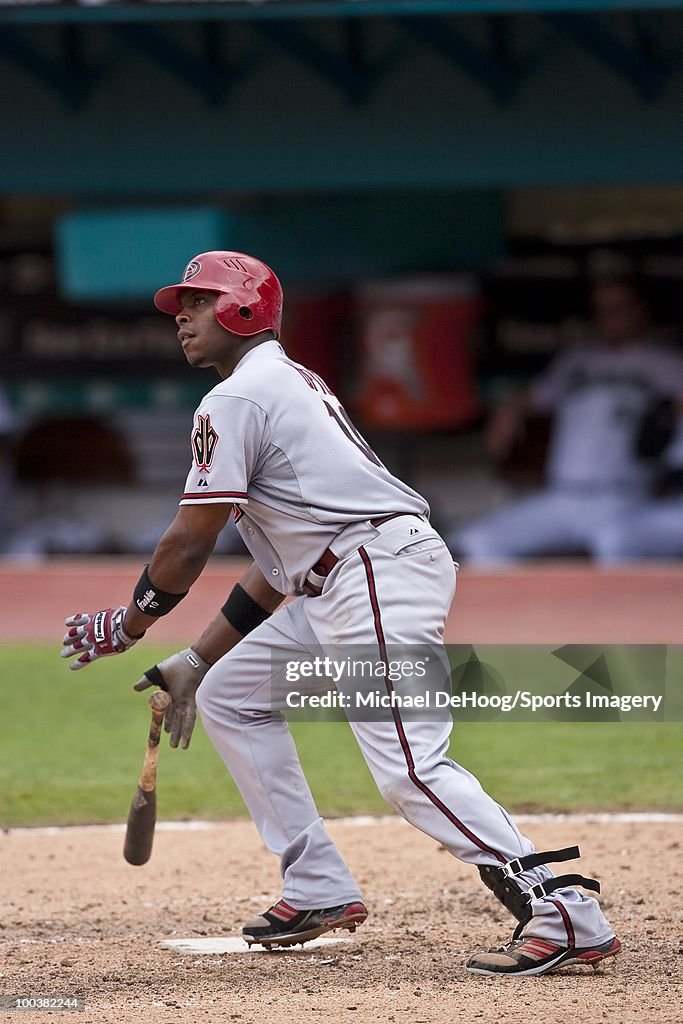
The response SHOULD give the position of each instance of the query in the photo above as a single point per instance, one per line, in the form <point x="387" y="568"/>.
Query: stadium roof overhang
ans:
<point x="624" y="35"/>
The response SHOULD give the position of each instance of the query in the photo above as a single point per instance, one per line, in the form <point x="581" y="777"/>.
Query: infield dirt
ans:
<point x="79" y="921"/>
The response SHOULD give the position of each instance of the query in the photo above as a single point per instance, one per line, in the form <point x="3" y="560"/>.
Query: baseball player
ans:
<point x="597" y="393"/>
<point x="351" y="545"/>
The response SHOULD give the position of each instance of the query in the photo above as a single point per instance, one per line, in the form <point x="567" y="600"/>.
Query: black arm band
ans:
<point x="242" y="611"/>
<point x="153" y="601"/>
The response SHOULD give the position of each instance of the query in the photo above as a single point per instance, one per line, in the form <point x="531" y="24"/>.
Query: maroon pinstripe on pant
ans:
<point x="403" y="739"/>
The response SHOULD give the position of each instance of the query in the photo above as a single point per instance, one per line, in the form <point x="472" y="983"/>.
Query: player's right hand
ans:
<point x="180" y="675"/>
<point x="95" y="635"/>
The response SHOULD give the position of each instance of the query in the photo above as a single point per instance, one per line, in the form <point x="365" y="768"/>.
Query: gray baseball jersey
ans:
<point x="265" y="439"/>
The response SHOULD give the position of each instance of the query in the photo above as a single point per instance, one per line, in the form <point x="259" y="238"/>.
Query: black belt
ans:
<point x="327" y="561"/>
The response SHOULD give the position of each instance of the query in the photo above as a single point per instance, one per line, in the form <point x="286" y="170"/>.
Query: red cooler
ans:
<point x="416" y="339"/>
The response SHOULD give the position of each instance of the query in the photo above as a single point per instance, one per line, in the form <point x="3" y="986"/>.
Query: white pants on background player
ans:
<point x="405" y="594"/>
<point x="553" y="521"/>
<point x="655" y="530"/>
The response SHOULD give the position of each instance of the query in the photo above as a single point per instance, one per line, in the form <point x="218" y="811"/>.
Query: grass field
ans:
<point x="71" y="748"/>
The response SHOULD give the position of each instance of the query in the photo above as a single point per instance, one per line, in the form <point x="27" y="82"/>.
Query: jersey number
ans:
<point x="350" y="431"/>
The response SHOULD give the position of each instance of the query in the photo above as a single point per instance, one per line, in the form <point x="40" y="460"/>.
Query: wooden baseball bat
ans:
<point x="142" y="816"/>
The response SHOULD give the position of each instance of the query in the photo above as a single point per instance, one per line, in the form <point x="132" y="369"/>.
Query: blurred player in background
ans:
<point x="597" y="393"/>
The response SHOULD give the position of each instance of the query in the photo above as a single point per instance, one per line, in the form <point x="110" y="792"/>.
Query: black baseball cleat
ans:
<point x="282" y="925"/>
<point x="522" y="957"/>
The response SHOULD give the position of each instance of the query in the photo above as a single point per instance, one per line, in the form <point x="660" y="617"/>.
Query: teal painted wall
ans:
<point x="127" y="253"/>
<point x="143" y="133"/>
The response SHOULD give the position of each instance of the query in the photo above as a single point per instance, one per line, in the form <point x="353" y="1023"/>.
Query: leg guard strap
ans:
<point x="532" y="860"/>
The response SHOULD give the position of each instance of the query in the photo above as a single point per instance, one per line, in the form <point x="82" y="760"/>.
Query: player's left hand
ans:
<point x="96" y="635"/>
<point x="180" y="675"/>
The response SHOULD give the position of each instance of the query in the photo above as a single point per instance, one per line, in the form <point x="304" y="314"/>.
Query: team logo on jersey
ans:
<point x="204" y="441"/>
<point x="191" y="270"/>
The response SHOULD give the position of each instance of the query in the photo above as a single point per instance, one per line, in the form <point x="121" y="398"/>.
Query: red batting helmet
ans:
<point x="250" y="297"/>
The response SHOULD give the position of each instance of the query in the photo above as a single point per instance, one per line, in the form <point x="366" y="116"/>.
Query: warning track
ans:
<point x="544" y="603"/>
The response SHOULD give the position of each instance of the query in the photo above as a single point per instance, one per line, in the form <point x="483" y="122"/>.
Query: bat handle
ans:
<point x="155" y="728"/>
<point x="159" y="702"/>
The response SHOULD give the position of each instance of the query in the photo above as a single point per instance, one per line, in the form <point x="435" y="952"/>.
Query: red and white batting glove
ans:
<point x="96" y="636"/>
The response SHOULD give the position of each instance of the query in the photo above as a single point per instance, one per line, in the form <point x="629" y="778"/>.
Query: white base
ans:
<point x="228" y="944"/>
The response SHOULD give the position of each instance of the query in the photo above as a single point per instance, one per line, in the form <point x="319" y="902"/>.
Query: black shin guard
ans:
<point x="508" y="891"/>
<point x="502" y="882"/>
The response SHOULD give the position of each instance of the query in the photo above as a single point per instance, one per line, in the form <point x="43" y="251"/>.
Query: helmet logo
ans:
<point x="234" y="263"/>
<point x="191" y="270"/>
